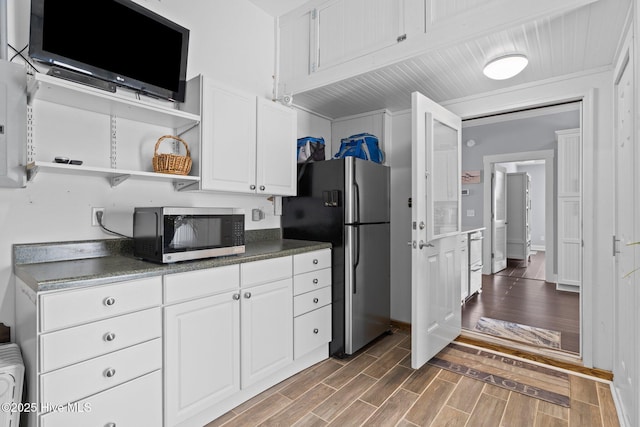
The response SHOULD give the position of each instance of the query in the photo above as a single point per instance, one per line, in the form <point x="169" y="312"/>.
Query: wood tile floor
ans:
<point x="377" y="387"/>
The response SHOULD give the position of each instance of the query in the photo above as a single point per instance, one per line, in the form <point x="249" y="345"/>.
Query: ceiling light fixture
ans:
<point x="505" y="67"/>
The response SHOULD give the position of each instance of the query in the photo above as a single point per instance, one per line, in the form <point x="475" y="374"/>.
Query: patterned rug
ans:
<point x="518" y="332"/>
<point x="511" y="374"/>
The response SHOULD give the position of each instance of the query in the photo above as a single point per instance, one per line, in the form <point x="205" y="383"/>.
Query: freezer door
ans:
<point x="367" y="284"/>
<point x="366" y="191"/>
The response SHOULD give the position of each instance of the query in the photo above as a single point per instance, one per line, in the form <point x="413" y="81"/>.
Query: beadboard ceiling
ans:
<point x="581" y="40"/>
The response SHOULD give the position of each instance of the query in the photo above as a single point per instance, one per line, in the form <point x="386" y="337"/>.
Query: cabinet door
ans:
<point x="276" y="149"/>
<point x="228" y="139"/>
<point x="347" y="29"/>
<point x="202" y="353"/>
<point x="295" y="45"/>
<point x="267" y="330"/>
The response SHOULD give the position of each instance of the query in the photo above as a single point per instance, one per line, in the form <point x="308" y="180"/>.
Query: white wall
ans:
<point x="231" y="41"/>
<point x="310" y="124"/>
<point x="399" y="158"/>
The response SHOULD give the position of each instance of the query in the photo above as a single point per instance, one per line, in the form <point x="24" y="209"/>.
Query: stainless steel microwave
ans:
<point x="172" y="234"/>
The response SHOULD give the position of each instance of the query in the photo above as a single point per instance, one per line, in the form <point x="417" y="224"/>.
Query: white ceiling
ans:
<point x="581" y="40"/>
<point x="277" y="7"/>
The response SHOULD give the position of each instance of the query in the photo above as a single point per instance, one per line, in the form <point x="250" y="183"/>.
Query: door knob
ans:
<point x="423" y="244"/>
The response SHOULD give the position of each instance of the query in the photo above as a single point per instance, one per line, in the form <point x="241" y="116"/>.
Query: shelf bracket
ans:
<point x="182" y="185"/>
<point x="114" y="142"/>
<point x="182" y="132"/>
<point x="119" y="179"/>
<point x="32" y="171"/>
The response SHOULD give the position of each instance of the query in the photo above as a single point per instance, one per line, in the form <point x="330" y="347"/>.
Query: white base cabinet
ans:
<point x="178" y="350"/>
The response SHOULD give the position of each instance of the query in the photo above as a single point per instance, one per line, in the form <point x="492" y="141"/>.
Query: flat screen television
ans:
<point x="116" y="41"/>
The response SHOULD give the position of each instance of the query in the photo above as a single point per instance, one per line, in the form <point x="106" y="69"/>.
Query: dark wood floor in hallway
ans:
<point x="519" y="294"/>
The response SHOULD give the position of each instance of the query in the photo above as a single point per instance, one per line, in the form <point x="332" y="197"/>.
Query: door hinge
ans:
<point x="401" y="38"/>
<point x="493" y="256"/>
<point x="410" y="202"/>
<point x="313" y="67"/>
<point x="314" y="13"/>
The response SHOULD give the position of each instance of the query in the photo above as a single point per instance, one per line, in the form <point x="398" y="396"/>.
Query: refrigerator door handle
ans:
<point x="356" y="245"/>
<point x="356" y="197"/>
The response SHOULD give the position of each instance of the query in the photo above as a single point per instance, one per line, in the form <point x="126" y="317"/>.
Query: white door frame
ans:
<point x="548" y="157"/>
<point x="587" y="125"/>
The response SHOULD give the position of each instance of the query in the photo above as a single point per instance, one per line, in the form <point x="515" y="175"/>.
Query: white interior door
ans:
<point x="498" y="218"/>
<point x="435" y="261"/>
<point x="626" y="368"/>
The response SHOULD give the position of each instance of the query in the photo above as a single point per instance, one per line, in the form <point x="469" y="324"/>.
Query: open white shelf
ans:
<point x="115" y="176"/>
<point x="64" y="92"/>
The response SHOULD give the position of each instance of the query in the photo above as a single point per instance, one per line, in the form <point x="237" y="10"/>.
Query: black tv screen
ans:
<point x="115" y="40"/>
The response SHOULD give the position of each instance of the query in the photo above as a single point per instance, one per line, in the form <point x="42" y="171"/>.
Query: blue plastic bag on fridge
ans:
<point x="364" y="146"/>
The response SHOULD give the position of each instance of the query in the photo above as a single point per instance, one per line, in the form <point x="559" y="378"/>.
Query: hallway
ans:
<point x="519" y="294"/>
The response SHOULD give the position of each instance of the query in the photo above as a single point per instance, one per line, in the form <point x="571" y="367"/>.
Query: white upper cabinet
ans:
<point x="347" y="29"/>
<point x="276" y="162"/>
<point x="247" y="144"/>
<point x="228" y="139"/>
<point x="332" y="32"/>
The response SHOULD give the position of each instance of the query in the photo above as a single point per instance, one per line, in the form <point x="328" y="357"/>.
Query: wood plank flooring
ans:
<point x="519" y="294"/>
<point x="377" y="387"/>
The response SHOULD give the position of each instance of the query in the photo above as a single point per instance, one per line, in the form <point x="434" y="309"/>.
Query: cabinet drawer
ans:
<point x="311" y="301"/>
<point x="199" y="283"/>
<point x="311" y="281"/>
<point x="265" y="271"/>
<point x="310" y="261"/>
<point x="73" y="307"/>
<point x="311" y="330"/>
<point x="67" y="346"/>
<point x="133" y="404"/>
<point x="86" y="378"/>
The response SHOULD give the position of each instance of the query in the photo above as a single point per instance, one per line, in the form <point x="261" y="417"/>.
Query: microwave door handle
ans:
<point x="159" y="235"/>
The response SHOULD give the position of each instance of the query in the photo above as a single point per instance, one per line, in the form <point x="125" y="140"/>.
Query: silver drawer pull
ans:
<point x="315" y="300"/>
<point x="109" y="301"/>
<point x="109" y="336"/>
<point x="247" y="295"/>
<point x="109" y="373"/>
<point x="236" y="297"/>
<point x="315" y="261"/>
<point x="315" y="331"/>
<point x="315" y="281"/>
<point x="110" y="425"/>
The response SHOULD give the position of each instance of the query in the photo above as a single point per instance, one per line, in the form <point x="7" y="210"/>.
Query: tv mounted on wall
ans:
<point x="116" y="41"/>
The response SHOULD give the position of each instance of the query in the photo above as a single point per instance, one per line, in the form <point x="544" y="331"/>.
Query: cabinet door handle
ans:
<point x="110" y="425"/>
<point x="315" y="261"/>
<point x="262" y="188"/>
<point x="315" y="331"/>
<point x="247" y="295"/>
<point x="252" y="187"/>
<point x="109" y="336"/>
<point x="315" y="281"/>
<point x="109" y="373"/>
<point x="315" y="300"/>
<point x="236" y="297"/>
<point x="109" y="301"/>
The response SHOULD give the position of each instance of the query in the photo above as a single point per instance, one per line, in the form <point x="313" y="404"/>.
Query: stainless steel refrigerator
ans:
<point x="346" y="202"/>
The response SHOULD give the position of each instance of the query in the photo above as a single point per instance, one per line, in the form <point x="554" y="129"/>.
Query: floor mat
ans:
<point x="511" y="374"/>
<point x="517" y="332"/>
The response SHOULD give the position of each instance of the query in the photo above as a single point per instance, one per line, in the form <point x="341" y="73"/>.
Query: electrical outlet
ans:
<point x="94" y="218"/>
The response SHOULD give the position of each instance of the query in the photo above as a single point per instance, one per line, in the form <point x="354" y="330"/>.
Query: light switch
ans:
<point x="471" y="212"/>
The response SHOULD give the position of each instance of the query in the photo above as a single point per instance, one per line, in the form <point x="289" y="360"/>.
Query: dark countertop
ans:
<point x="114" y="267"/>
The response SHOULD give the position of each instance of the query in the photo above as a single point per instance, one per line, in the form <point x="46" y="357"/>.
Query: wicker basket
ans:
<point x="171" y="163"/>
